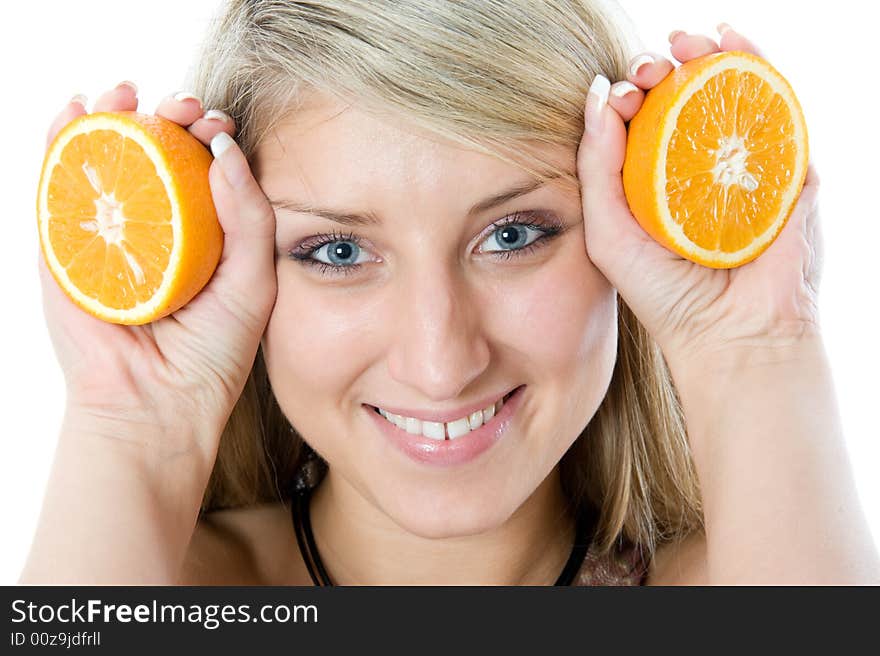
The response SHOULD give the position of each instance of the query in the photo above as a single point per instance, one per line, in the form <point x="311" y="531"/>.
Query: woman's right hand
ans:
<point x="183" y="373"/>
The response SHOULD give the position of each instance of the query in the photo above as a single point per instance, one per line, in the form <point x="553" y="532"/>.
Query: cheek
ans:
<point x="566" y="332"/>
<point x="311" y="346"/>
<point x="565" y="316"/>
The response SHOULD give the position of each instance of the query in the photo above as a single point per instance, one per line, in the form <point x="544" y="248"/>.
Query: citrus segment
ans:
<point x="716" y="157"/>
<point x="126" y="219"/>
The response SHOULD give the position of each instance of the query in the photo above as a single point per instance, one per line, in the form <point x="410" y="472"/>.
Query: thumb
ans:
<point x="246" y="272"/>
<point x="615" y="242"/>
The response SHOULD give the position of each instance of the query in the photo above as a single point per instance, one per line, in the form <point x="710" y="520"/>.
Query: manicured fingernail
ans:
<point x="722" y="28"/>
<point x="130" y="84"/>
<point x="673" y="35"/>
<point x="638" y="62"/>
<point x="232" y="169"/>
<point x="620" y="89"/>
<point x="81" y="99"/>
<point x="221" y="143"/>
<point x="597" y="98"/>
<point x="217" y="115"/>
<point x="186" y="95"/>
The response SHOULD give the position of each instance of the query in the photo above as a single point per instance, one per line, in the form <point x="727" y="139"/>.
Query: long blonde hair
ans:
<point x="497" y="76"/>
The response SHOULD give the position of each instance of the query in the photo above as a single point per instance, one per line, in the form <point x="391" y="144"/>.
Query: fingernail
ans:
<point x="81" y="99"/>
<point x="186" y="95"/>
<point x="219" y="145"/>
<point x="638" y="62"/>
<point x="217" y="115"/>
<point x="673" y="35"/>
<point x="597" y="98"/>
<point x="128" y="83"/>
<point x="722" y="28"/>
<point x="620" y="89"/>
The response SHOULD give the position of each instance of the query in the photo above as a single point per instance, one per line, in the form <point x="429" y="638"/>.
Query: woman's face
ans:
<point x="441" y="310"/>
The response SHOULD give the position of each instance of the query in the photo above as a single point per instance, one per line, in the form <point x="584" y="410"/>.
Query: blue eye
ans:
<point x="341" y="253"/>
<point x="338" y="254"/>
<point x="513" y="236"/>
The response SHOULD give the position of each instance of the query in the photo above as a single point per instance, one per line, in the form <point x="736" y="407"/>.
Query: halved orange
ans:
<point x="716" y="158"/>
<point x="126" y="219"/>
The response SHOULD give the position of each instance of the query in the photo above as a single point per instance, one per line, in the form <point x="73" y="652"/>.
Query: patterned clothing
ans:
<point x="623" y="566"/>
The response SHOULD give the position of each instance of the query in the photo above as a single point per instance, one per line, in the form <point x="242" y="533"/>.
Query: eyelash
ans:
<point x="549" y="227"/>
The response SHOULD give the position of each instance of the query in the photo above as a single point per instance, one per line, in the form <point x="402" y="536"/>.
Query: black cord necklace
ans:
<point x="299" y="510"/>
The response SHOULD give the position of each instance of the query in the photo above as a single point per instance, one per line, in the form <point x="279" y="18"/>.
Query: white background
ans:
<point x="52" y="50"/>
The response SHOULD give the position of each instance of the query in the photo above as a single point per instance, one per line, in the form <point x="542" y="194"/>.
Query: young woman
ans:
<point x="438" y="348"/>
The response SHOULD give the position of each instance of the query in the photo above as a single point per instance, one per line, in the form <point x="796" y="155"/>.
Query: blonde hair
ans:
<point x="497" y="76"/>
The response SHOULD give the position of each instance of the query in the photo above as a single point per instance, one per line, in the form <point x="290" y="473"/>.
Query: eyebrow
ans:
<point x="370" y="219"/>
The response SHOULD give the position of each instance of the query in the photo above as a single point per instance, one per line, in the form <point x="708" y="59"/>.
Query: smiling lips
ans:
<point x="437" y="443"/>
<point x="438" y="430"/>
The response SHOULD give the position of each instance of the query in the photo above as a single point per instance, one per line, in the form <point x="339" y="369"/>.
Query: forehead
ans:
<point x="332" y="149"/>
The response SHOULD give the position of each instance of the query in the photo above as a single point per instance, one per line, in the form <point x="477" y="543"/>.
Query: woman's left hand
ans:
<point x="700" y="317"/>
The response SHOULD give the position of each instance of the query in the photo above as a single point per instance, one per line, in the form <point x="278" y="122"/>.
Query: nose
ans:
<point x="437" y="345"/>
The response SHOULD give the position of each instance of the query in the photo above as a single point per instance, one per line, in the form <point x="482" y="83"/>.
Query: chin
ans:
<point x="434" y="517"/>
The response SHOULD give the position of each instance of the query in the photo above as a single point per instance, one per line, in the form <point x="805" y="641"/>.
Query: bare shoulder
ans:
<point x="255" y="545"/>
<point x="680" y="562"/>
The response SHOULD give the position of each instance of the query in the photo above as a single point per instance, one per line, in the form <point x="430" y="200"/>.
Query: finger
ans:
<point x="645" y="70"/>
<point x="74" y="108"/>
<point x="800" y="238"/>
<point x="183" y="108"/>
<point x="122" y="98"/>
<point x="626" y="98"/>
<point x="799" y="221"/>
<point x="805" y="222"/>
<point x="813" y="233"/>
<point x="615" y="242"/>
<point x="733" y="40"/>
<point x="812" y="179"/>
<point x="248" y="221"/>
<point x="685" y="47"/>
<point x="213" y="121"/>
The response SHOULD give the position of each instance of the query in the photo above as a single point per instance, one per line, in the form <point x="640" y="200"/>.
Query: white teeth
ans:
<point x="458" y="428"/>
<point x="433" y="429"/>
<point x="438" y="430"/>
